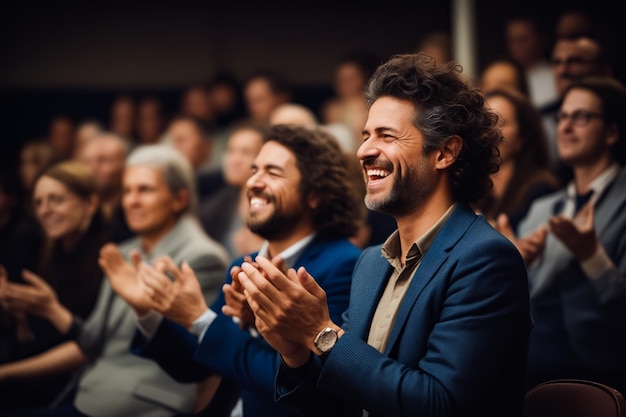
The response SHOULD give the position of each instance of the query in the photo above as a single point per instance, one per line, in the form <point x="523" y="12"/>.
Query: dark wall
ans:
<point x="72" y="57"/>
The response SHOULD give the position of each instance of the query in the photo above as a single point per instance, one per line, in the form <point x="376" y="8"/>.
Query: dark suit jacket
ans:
<point x="236" y="354"/>
<point x="580" y="324"/>
<point x="458" y="345"/>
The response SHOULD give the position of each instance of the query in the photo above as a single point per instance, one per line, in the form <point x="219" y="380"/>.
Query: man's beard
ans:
<point x="278" y="225"/>
<point x="407" y="192"/>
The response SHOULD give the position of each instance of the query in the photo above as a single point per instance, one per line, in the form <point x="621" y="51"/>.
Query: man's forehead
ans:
<point x="581" y="96"/>
<point x="575" y="47"/>
<point x="275" y="154"/>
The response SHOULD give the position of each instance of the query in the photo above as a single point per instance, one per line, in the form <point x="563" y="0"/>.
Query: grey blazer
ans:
<point x="119" y="383"/>
<point x="580" y="323"/>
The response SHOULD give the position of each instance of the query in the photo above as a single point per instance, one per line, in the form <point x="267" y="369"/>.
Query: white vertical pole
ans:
<point x="464" y="35"/>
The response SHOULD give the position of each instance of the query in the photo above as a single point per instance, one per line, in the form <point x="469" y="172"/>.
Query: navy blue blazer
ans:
<point x="458" y="345"/>
<point x="236" y="354"/>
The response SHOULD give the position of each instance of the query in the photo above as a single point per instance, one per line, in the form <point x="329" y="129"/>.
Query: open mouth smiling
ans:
<point x="377" y="174"/>
<point x="258" y="202"/>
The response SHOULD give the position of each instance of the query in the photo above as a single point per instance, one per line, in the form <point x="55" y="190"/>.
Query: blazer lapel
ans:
<point x="608" y="206"/>
<point x="170" y="244"/>
<point x="309" y="254"/>
<point x="368" y="283"/>
<point x="435" y="256"/>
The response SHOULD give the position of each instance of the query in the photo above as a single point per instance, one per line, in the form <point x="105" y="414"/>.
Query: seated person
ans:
<point x="525" y="172"/>
<point x="67" y="207"/>
<point x="158" y="201"/>
<point x="574" y="244"/>
<point x="293" y="169"/>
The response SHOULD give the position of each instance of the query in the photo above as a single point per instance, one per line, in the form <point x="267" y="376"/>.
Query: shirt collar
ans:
<point x="391" y="248"/>
<point x="598" y="185"/>
<point x="292" y="253"/>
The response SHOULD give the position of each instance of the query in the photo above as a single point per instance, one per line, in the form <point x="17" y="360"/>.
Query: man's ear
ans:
<point x="612" y="134"/>
<point x="449" y="152"/>
<point x="94" y="204"/>
<point x="313" y="201"/>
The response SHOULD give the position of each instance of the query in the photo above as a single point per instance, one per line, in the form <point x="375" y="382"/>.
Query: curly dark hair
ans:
<point x="324" y="173"/>
<point x="445" y="105"/>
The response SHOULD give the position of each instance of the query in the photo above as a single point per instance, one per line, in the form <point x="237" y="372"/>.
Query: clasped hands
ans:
<point x="577" y="234"/>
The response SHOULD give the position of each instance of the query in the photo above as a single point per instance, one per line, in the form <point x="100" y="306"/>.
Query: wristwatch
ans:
<point x="326" y="340"/>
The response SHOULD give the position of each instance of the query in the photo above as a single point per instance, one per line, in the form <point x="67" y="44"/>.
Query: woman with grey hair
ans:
<point x="158" y="201"/>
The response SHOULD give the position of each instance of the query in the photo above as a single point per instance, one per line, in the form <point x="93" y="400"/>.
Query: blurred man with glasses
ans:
<point x="572" y="58"/>
<point x="574" y="244"/>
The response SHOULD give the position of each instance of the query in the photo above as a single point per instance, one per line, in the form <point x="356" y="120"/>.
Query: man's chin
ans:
<point x="376" y="204"/>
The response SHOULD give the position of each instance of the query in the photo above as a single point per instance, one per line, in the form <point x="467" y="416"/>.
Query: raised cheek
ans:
<point x="42" y="210"/>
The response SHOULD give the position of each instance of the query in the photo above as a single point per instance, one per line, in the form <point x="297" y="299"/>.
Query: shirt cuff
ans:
<point x="148" y="324"/>
<point x="202" y="323"/>
<point x="598" y="264"/>
<point x="293" y="376"/>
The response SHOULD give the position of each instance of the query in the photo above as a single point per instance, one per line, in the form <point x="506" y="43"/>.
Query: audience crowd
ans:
<point x="122" y="239"/>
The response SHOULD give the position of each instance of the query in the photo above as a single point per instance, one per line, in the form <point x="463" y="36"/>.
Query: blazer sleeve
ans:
<point x="477" y="321"/>
<point x="172" y="347"/>
<point x="249" y="360"/>
<point x="177" y="351"/>
<point x="209" y="269"/>
<point x="336" y="282"/>
<point x="92" y="334"/>
<point x="238" y="355"/>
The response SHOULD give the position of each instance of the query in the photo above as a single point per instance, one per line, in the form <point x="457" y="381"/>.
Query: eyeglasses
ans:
<point x="579" y="117"/>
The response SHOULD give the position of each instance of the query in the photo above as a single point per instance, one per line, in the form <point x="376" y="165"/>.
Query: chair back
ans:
<point x="574" y="398"/>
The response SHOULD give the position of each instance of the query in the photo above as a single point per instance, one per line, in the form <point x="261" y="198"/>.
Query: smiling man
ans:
<point x="438" y="320"/>
<point x="572" y="59"/>
<point x="301" y="201"/>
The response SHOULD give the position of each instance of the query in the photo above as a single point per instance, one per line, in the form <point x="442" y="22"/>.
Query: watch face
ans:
<point x="326" y="340"/>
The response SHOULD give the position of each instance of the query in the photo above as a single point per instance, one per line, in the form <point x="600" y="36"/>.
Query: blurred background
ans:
<point x="73" y="57"/>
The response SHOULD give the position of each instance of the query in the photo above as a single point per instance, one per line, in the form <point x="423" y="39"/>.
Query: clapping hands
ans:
<point x="163" y="286"/>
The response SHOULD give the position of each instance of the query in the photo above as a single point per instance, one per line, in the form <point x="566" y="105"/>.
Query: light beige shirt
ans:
<point x="399" y="281"/>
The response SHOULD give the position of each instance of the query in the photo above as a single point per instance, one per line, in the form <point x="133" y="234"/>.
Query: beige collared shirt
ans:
<point x="399" y="281"/>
